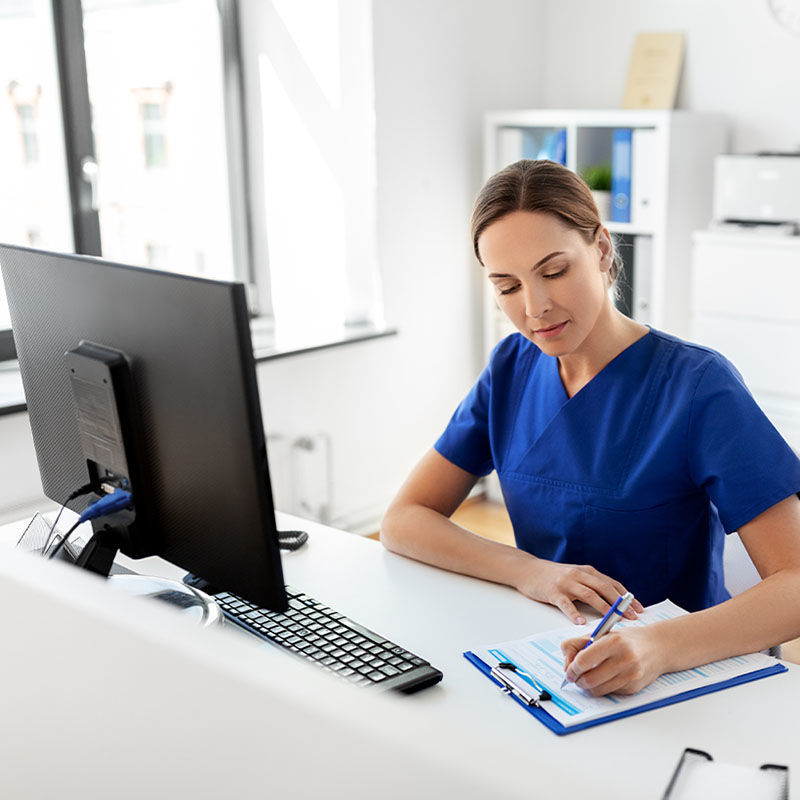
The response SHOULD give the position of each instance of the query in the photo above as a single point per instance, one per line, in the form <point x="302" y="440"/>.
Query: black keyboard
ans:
<point x="321" y="635"/>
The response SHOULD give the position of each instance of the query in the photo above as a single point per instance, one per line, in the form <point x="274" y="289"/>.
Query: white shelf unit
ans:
<point x="744" y="304"/>
<point x="680" y="168"/>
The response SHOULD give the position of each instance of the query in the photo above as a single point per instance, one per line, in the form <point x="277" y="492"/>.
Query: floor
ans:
<point x="490" y="519"/>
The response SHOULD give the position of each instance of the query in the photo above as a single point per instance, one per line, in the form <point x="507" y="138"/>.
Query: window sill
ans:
<point x="266" y="347"/>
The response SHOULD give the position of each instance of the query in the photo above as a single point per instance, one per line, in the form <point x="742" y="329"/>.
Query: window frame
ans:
<point x="76" y="110"/>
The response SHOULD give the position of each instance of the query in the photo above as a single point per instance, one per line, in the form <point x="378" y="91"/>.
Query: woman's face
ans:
<point x="549" y="282"/>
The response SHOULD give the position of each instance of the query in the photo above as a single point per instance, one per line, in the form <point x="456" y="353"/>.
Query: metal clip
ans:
<point x="505" y="673"/>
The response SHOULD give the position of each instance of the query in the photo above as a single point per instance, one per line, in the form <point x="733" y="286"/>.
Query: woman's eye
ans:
<point x="509" y="290"/>
<point x="556" y="274"/>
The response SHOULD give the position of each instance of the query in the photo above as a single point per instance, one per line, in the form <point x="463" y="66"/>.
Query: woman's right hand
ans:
<point x="562" y="585"/>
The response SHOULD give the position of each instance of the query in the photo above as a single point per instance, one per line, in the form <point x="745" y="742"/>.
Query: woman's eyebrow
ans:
<point x="540" y="263"/>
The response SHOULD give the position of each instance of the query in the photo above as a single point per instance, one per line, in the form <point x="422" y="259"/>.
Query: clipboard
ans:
<point x="542" y="698"/>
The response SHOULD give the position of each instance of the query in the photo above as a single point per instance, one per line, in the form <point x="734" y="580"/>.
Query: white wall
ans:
<point x="738" y="61"/>
<point x="20" y="487"/>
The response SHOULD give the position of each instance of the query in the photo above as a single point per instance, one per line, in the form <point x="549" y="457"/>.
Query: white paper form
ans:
<point x="538" y="660"/>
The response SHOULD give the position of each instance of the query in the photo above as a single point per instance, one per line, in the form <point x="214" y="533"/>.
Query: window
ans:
<point x="156" y="255"/>
<point x="154" y="134"/>
<point x="34" y="192"/>
<point x="158" y="126"/>
<point x="27" y="125"/>
<point x="145" y="160"/>
<point x="315" y="224"/>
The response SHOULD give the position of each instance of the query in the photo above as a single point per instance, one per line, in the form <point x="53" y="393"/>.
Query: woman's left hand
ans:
<point x="623" y="662"/>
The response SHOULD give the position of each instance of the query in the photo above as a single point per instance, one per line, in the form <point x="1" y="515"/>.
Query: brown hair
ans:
<point x="544" y="186"/>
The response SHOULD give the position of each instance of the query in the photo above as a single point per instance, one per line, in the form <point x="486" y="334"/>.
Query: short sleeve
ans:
<point x="735" y="453"/>
<point x="465" y="441"/>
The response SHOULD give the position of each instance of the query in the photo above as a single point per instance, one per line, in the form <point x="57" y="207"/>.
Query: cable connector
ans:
<point x="116" y="501"/>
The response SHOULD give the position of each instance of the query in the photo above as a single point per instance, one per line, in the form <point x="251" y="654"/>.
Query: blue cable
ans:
<point x="115" y="501"/>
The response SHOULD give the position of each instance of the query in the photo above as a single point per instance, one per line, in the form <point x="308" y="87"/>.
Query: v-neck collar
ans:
<point x="608" y="367"/>
<point x="557" y="427"/>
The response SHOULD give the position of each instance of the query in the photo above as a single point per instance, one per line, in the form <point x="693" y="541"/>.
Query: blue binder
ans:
<point x="539" y="710"/>
<point x="553" y="147"/>
<point x="621" y="175"/>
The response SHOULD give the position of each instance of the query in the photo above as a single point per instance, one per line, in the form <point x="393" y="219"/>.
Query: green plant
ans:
<point x="598" y="177"/>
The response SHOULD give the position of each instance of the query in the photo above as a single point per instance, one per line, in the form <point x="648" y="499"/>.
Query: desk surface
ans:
<point x="440" y="615"/>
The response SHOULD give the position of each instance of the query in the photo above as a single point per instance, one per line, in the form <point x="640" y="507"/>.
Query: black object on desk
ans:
<point x="331" y="640"/>
<point x="699" y="776"/>
<point x="291" y="540"/>
<point x="313" y="631"/>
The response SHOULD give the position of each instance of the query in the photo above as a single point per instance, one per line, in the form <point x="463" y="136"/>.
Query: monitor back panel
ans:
<point x="188" y="343"/>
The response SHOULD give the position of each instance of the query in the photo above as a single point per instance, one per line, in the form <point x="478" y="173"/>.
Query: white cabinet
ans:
<point x="746" y="304"/>
<point x="678" y="159"/>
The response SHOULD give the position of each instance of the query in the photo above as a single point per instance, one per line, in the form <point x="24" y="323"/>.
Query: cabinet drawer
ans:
<point x="753" y="279"/>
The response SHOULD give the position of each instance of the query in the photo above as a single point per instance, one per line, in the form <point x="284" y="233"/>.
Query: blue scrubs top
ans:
<point x="638" y="474"/>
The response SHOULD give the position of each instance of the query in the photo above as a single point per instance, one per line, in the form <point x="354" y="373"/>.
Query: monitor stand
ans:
<point x="195" y="605"/>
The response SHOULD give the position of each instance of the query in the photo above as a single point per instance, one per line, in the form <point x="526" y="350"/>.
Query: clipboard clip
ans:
<point x="505" y="673"/>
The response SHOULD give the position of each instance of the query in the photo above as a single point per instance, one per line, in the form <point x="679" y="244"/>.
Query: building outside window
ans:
<point x="154" y="134"/>
<point x="27" y="125"/>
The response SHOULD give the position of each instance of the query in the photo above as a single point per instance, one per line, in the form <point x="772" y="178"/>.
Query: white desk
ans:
<point x="439" y="615"/>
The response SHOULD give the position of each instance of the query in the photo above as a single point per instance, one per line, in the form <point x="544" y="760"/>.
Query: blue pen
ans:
<point x="612" y="617"/>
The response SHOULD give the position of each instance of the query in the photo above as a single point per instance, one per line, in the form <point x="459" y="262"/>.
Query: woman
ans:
<point x="624" y="454"/>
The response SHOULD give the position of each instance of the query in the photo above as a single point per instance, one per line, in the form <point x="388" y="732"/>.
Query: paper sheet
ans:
<point x="539" y="656"/>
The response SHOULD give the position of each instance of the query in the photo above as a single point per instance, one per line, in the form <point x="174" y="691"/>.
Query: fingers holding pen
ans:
<point x="623" y="662"/>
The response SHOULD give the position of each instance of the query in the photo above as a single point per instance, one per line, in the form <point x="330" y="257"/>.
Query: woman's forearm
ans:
<point x="426" y="535"/>
<point x="422" y="533"/>
<point x="763" y="616"/>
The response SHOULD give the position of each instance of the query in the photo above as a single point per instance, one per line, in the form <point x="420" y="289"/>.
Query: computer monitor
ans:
<point x="202" y="496"/>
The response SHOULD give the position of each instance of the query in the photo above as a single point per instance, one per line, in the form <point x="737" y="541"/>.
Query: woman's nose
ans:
<point x="537" y="301"/>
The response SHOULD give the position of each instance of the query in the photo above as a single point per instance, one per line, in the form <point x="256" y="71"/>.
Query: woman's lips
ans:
<point x="549" y="333"/>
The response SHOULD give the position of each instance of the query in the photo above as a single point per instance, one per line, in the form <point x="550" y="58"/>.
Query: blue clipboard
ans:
<point x="540" y="711"/>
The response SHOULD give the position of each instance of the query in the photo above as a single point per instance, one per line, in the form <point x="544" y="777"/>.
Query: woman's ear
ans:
<point x="606" y="249"/>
